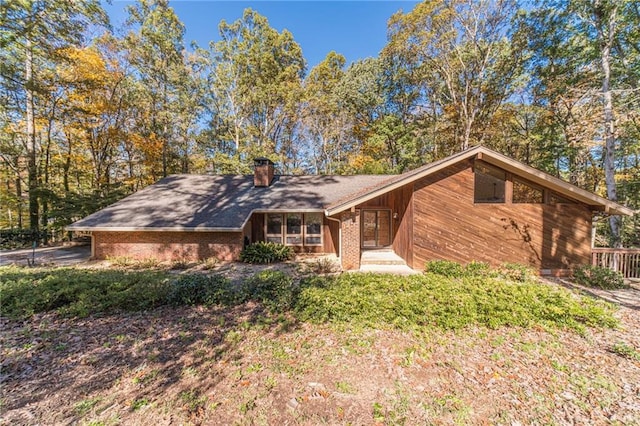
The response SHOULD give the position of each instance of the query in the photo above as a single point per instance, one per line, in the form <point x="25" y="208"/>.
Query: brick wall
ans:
<point x="163" y="246"/>
<point x="350" y="223"/>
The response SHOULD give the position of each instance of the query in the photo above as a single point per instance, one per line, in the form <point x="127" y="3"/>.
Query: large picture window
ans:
<point x="294" y="229"/>
<point x="489" y="184"/>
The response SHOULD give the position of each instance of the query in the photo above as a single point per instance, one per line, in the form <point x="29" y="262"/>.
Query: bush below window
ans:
<point x="266" y="252"/>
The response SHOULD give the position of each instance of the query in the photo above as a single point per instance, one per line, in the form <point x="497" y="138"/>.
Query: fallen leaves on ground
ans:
<point x="211" y="365"/>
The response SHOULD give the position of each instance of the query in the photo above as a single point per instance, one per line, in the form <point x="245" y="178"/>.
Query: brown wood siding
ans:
<point x="448" y="225"/>
<point x="331" y="236"/>
<point x="257" y="227"/>
<point x="403" y="239"/>
<point x="399" y="201"/>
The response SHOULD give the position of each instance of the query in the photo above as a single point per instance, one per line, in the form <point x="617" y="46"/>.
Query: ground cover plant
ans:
<point x="374" y="300"/>
<point x="80" y="292"/>
<point x="352" y="348"/>
<point x="433" y="300"/>
<point x="598" y="277"/>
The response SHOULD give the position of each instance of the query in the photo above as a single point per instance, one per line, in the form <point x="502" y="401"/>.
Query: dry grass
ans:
<point x="240" y="366"/>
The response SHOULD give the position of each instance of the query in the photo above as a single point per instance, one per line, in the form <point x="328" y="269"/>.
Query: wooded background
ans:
<point x="91" y="113"/>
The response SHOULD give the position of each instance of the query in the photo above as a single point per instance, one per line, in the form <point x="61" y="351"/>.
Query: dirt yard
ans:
<point x="240" y="366"/>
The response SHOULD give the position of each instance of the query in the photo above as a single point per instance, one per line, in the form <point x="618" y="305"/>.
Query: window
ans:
<point x="489" y="184"/>
<point x="274" y="228"/>
<point x="526" y="193"/>
<point x="294" y="228"/>
<point x="558" y="199"/>
<point x="313" y="229"/>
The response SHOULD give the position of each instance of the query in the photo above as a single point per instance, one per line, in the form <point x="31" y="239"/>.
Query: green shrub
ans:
<point x="598" y="277"/>
<point x="516" y="272"/>
<point x="445" y="268"/>
<point x="477" y="269"/>
<point x="266" y="252"/>
<point x="79" y="292"/>
<point x="273" y="288"/>
<point x="199" y="289"/>
<point x="430" y="300"/>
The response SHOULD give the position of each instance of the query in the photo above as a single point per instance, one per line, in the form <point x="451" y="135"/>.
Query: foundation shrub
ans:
<point x="265" y="252"/>
<point x="516" y="272"/>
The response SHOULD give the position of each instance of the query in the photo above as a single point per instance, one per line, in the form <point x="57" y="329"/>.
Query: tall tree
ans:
<point x="32" y="33"/>
<point x="165" y="87"/>
<point x="586" y="50"/>
<point x="462" y="58"/>
<point x="253" y="85"/>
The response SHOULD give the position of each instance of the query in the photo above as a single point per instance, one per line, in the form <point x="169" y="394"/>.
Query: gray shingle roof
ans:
<point x="222" y="202"/>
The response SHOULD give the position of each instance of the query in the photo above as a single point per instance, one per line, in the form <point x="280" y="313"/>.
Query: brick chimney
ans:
<point x="263" y="172"/>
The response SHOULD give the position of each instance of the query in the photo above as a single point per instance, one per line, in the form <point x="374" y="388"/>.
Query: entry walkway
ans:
<point x="384" y="261"/>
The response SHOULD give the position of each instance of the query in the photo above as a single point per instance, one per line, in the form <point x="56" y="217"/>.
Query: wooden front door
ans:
<point x="376" y="228"/>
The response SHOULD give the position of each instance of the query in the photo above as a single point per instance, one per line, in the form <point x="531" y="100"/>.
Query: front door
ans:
<point x="376" y="228"/>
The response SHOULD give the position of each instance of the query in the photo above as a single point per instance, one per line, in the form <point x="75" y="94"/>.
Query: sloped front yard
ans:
<point x="342" y="365"/>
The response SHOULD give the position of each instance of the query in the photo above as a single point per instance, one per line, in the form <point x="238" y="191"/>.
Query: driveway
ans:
<point x="57" y="256"/>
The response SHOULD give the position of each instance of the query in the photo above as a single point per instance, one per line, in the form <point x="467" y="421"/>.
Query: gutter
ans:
<point x="186" y="228"/>
<point x="149" y="229"/>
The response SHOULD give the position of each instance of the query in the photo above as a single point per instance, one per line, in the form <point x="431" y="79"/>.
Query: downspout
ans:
<point x="339" y="235"/>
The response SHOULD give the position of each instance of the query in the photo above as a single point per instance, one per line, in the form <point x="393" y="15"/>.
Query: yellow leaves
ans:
<point x="90" y="82"/>
<point x="82" y="65"/>
<point x="150" y="146"/>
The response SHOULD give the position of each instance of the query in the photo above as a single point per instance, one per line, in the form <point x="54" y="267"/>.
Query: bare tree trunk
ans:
<point x="32" y="165"/>
<point x="606" y="40"/>
<point x="67" y="164"/>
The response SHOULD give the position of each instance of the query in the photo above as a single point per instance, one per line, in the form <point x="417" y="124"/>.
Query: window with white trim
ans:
<point x="294" y="229"/>
<point x="274" y="228"/>
<point x="312" y="229"/>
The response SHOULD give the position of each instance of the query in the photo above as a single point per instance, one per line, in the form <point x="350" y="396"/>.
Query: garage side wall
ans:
<point x="168" y="246"/>
<point x="449" y="225"/>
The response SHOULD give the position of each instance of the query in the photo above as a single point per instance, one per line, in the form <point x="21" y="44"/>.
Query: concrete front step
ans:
<point x="382" y="262"/>
<point x="380" y="257"/>
<point x="388" y="269"/>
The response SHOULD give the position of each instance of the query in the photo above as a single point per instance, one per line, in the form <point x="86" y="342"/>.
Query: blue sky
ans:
<point x="356" y="29"/>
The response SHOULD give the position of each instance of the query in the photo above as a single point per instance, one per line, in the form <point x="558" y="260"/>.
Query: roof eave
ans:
<point x="497" y="159"/>
<point x="554" y="183"/>
<point x="410" y="177"/>
<point x="149" y="229"/>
